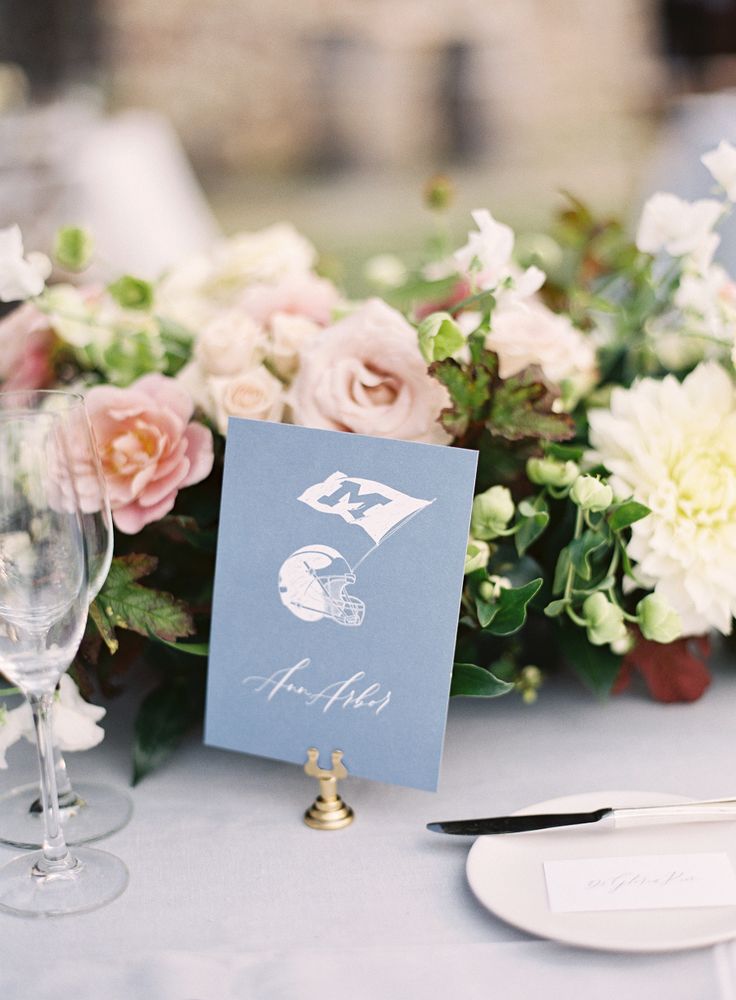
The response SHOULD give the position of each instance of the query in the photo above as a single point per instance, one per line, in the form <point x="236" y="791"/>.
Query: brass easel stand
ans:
<point x="328" y="811"/>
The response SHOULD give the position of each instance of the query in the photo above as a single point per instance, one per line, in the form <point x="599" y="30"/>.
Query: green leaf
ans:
<point x="73" y="247"/>
<point x="626" y="514"/>
<point x="470" y="681"/>
<point x="521" y="407"/>
<point x="132" y="293"/>
<point x="164" y="718"/>
<point x="469" y="389"/>
<point x="128" y="604"/>
<point x="193" y="648"/>
<point x="104" y="627"/>
<point x="565" y="452"/>
<point x="561" y="569"/>
<point x="485" y="611"/>
<point x="596" y="666"/>
<point x="511" y="608"/>
<point x="534" y="519"/>
<point x="581" y="550"/>
<point x="555" y="608"/>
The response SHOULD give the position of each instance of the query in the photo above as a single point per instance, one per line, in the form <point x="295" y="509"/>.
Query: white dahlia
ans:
<point x="672" y="446"/>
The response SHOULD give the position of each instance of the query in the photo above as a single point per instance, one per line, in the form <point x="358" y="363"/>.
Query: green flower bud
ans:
<point x="551" y="472"/>
<point x="490" y="589"/>
<point x="604" y="620"/>
<point x="477" y="555"/>
<point x="439" y="337"/>
<point x="73" y="248"/>
<point x="529" y="682"/>
<point x="439" y="192"/>
<point x="492" y="511"/>
<point x="591" y="494"/>
<point x="132" y="293"/>
<point x="657" y="620"/>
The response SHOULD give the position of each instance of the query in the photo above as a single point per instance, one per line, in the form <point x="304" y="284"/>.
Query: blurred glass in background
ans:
<point x="159" y="123"/>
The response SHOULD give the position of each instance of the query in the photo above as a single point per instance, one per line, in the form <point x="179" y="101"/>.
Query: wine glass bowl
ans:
<point x="44" y="599"/>
<point x="89" y="810"/>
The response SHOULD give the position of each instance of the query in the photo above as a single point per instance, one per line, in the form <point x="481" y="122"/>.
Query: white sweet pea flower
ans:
<point x="12" y="727"/>
<point x="680" y="227"/>
<point x="20" y="277"/>
<point x="722" y="164"/>
<point x="487" y="251"/>
<point x="74" y="722"/>
<point x="487" y="256"/>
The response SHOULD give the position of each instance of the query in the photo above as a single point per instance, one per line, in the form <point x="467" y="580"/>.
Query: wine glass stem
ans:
<point x="63" y="784"/>
<point x="56" y="856"/>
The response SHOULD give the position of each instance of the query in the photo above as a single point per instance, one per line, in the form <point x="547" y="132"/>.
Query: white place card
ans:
<point x="645" y="882"/>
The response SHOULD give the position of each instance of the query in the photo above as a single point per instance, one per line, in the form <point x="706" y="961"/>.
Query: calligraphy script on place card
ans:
<point x="339" y="573"/>
<point x="646" y="882"/>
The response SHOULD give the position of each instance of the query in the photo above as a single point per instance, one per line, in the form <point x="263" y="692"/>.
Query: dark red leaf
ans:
<point x="674" y="671"/>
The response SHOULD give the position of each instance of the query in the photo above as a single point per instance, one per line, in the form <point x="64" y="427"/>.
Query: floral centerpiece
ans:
<point x="593" y="375"/>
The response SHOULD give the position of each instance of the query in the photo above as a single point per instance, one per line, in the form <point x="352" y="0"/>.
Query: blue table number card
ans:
<point x="338" y="581"/>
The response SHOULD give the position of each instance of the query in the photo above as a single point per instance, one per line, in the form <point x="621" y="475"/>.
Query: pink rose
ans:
<point x="25" y="345"/>
<point x="296" y="294"/>
<point x="365" y="374"/>
<point x="148" y="447"/>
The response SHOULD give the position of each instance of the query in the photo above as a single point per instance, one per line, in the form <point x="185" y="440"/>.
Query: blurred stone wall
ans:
<point x="265" y="85"/>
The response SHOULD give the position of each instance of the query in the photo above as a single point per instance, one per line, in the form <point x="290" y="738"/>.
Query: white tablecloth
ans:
<point x="231" y="896"/>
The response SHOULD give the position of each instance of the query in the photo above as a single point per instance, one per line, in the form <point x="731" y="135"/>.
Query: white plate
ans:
<point x="506" y="874"/>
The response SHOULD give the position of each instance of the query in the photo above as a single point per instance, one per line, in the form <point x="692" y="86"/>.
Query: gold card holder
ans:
<point x="328" y="811"/>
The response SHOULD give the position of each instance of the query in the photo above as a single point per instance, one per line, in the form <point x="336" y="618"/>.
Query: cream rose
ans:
<point x="256" y="394"/>
<point x="365" y="374"/>
<point x="289" y="334"/>
<point x="229" y="344"/>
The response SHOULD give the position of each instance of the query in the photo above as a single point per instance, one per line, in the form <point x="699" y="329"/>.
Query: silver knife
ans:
<point x="682" y="812"/>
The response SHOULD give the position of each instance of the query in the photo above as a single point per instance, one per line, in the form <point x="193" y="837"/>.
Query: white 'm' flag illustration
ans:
<point x="375" y="508"/>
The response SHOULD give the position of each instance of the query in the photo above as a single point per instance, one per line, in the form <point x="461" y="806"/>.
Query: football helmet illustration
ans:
<point x="313" y="584"/>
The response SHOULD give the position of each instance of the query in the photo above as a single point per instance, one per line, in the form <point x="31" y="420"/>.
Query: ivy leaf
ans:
<point x="626" y="514"/>
<point x="521" y="407"/>
<point x="534" y="516"/>
<point x="511" y="608"/>
<point x="164" y="718"/>
<point x="582" y="549"/>
<point x="596" y="666"/>
<point x="471" y="681"/>
<point x="128" y="604"/>
<point x="485" y="611"/>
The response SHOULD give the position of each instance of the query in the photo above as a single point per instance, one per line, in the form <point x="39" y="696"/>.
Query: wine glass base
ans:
<point x="98" y="811"/>
<point x="98" y="878"/>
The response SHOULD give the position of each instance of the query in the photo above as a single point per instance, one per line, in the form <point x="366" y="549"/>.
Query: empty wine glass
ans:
<point x="89" y="810"/>
<point x="43" y="611"/>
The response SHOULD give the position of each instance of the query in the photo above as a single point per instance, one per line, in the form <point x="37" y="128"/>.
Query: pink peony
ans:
<point x="296" y="294"/>
<point x="148" y="447"/>
<point x="25" y="345"/>
<point x="365" y="374"/>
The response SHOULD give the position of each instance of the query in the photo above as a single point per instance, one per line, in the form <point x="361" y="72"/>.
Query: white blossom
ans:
<point x="21" y="277"/>
<point x="680" y="227"/>
<point x="722" y="164"/>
